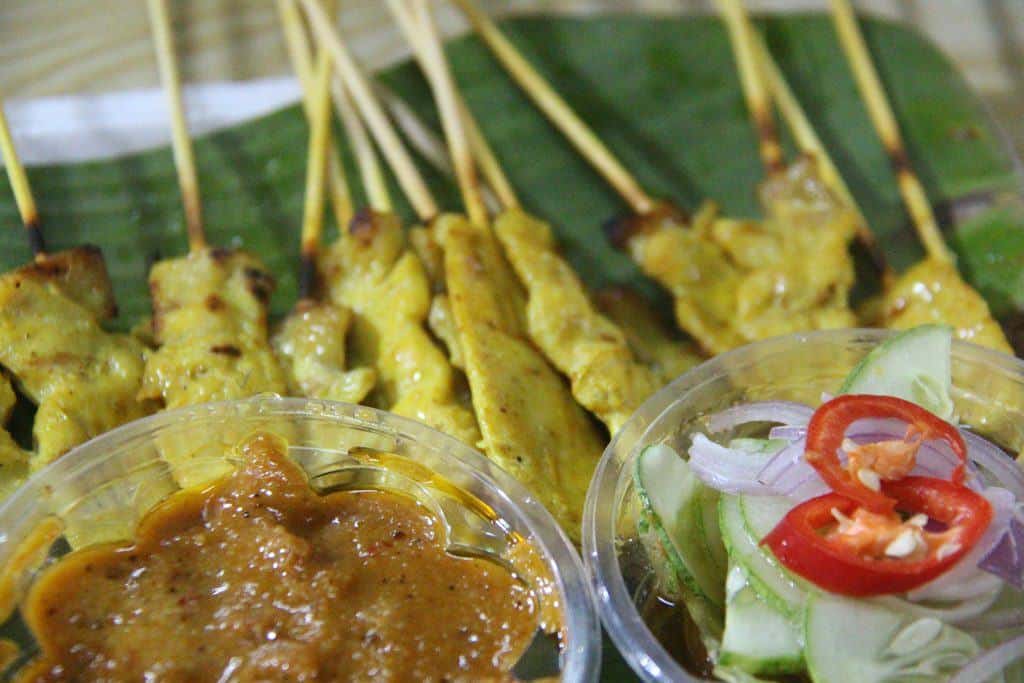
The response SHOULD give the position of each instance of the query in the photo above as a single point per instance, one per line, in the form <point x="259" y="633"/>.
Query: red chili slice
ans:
<point x="800" y="544"/>
<point x="829" y="423"/>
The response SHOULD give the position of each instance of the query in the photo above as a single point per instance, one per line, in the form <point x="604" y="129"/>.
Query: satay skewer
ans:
<point x="933" y="289"/>
<point x="372" y="271"/>
<point x="588" y="348"/>
<point x="311" y="341"/>
<point x="722" y="294"/>
<point x="529" y="422"/>
<point x="764" y="85"/>
<point x="82" y="379"/>
<point x="210" y="307"/>
<point x="653" y="340"/>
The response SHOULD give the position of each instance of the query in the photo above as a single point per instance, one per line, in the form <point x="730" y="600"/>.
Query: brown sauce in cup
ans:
<point x="260" y="578"/>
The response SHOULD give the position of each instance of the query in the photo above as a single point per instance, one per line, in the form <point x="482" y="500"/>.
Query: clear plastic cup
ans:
<point x="988" y="394"/>
<point x="99" y="491"/>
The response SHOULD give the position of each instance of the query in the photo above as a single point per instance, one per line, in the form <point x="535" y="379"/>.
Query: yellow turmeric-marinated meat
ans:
<point x="82" y="379"/>
<point x="932" y="291"/>
<point x="736" y="281"/>
<point x="439" y="318"/>
<point x="311" y="346"/>
<point x="584" y="345"/>
<point x="652" y="340"/>
<point x="371" y="271"/>
<point x="531" y="425"/>
<point x="14" y="460"/>
<point x="210" y="322"/>
<point x="442" y="323"/>
<point x="80" y="273"/>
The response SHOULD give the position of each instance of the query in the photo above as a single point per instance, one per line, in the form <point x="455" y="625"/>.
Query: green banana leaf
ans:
<point x="661" y="92"/>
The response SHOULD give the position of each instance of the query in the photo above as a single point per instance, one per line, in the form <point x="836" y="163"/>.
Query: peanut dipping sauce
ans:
<point x="261" y="578"/>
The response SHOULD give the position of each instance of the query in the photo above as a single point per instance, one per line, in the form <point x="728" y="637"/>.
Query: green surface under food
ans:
<point x="662" y="92"/>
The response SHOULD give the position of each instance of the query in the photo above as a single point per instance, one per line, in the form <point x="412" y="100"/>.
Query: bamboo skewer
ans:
<point x="373" y="114"/>
<point x="300" y="54"/>
<point x="490" y="168"/>
<point x="21" y="188"/>
<point x="452" y="121"/>
<point x="429" y="144"/>
<point x="559" y="111"/>
<point x="184" y="160"/>
<point x="425" y="140"/>
<point x="885" y="124"/>
<point x="319" y="144"/>
<point x="758" y="99"/>
<point x="481" y="149"/>
<point x="419" y="32"/>
<point x="409" y="178"/>
<point x="370" y="169"/>
<point x="301" y="57"/>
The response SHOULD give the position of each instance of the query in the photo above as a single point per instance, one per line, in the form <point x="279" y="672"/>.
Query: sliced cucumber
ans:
<point x="672" y="530"/>
<point x="672" y="499"/>
<point x="710" y="531"/>
<point x="914" y="365"/>
<point x="773" y="584"/>
<point x="855" y="641"/>
<point x="761" y="514"/>
<point x="757" y="639"/>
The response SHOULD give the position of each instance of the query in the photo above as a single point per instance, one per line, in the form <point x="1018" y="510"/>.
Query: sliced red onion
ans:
<point x="792" y="476"/>
<point x="811" y="487"/>
<point x="792" y="456"/>
<point x="952" y="613"/>
<point x="727" y="469"/>
<point x="788" y="473"/>
<point x="994" y="459"/>
<point x="1006" y="558"/>
<point x="966" y="579"/>
<point x="779" y="412"/>
<point x="990" y="662"/>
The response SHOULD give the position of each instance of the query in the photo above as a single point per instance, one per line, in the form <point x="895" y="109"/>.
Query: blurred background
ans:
<point x="59" y="47"/>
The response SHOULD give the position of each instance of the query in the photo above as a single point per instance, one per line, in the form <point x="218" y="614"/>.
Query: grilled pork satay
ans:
<point x="810" y="275"/>
<point x="82" y="379"/>
<point x="310" y="342"/>
<point x="209" y="307"/>
<point x="653" y="339"/>
<point x="932" y="290"/>
<point x="372" y="270"/>
<point x="588" y="348"/>
<point x="723" y="274"/>
<point x="530" y="424"/>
